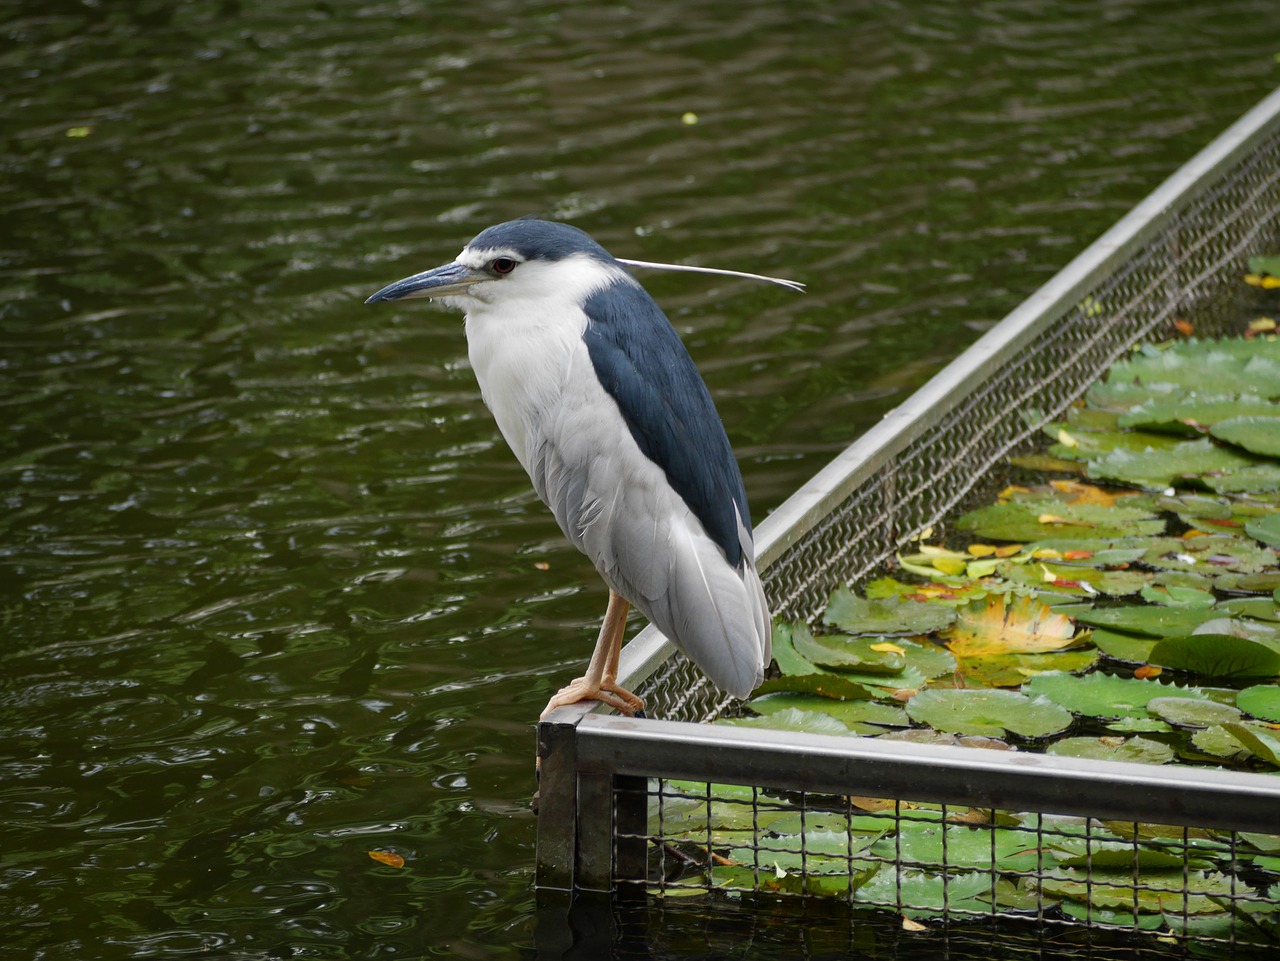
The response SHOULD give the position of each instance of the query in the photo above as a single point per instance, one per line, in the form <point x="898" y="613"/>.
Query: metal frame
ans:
<point x="596" y="766"/>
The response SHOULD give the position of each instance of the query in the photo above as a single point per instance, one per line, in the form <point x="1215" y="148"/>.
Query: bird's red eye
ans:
<point x="503" y="265"/>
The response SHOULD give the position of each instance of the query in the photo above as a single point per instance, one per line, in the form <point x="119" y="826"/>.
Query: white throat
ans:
<point x="524" y="336"/>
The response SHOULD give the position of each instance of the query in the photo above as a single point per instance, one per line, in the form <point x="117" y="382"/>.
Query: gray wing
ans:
<point x="617" y="507"/>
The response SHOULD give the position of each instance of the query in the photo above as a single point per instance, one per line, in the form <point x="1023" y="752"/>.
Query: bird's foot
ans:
<point x="607" y="691"/>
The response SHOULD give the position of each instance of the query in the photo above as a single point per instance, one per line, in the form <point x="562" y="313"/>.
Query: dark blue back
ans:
<point x="645" y="368"/>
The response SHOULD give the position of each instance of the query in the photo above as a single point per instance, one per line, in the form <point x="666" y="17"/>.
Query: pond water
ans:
<point x="274" y="593"/>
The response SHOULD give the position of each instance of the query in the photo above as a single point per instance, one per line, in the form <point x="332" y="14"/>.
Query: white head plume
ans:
<point x="790" y="284"/>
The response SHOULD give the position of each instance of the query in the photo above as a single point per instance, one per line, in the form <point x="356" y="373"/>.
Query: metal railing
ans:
<point x="606" y="780"/>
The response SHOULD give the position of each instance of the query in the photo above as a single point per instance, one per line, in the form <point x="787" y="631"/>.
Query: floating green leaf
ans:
<point x="1218" y="742"/>
<point x="1192" y="711"/>
<point x="1102" y="695"/>
<point x="1190" y="412"/>
<point x="961" y="847"/>
<point x="1091" y="445"/>
<point x="846" y="712"/>
<point x="1192" y="597"/>
<point x="1123" y="647"/>
<point x="1257" y="479"/>
<point x="1172" y="890"/>
<point x="814" y="852"/>
<point x="1256" y="434"/>
<point x="1217" y="655"/>
<point x="922" y="895"/>
<point x="1140" y="749"/>
<point x="799" y="675"/>
<point x="1148" y="621"/>
<point x="1213" y="554"/>
<point x="1049" y="578"/>
<point x="1103" y="855"/>
<point x="1246" y="365"/>
<point x="821" y="683"/>
<point x="1260" y="744"/>
<point x="1156" y="469"/>
<point x="1265" y="529"/>
<point x="1133" y="725"/>
<point x="1265" y="264"/>
<point x="990" y="713"/>
<point x="1261" y="700"/>
<point x="792" y="719"/>
<point x="1012" y="670"/>
<point x="1048" y="518"/>
<point x="890" y="615"/>
<point x="1258" y="608"/>
<point x="848" y="654"/>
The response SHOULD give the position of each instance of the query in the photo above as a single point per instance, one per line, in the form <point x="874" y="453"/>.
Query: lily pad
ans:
<point x="1256" y="434"/>
<point x="1140" y="749"/>
<point x="1147" y="620"/>
<point x="1261" y="700"/>
<point x="802" y="676"/>
<point x="952" y="594"/>
<point x="919" y="894"/>
<point x="848" y="654"/>
<point x="1192" y="711"/>
<point x="1258" y="608"/>
<point x="1256" y="479"/>
<point x="1123" y="647"/>
<point x="847" y="713"/>
<point x="813" y="853"/>
<point x="1012" y="670"/>
<point x="1091" y="552"/>
<point x="1192" y="412"/>
<point x="1092" y="445"/>
<point x="792" y="719"/>
<point x="989" y="713"/>
<point x="960" y="847"/>
<point x="1265" y="529"/>
<point x="1218" y="742"/>
<point x="1265" y="264"/>
<point x="821" y="683"/>
<point x="1217" y="655"/>
<point x="1260" y="744"/>
<point x="1103" y="695"/>
<point x="1051" y="579"/>
<point x="1135" y="725"/>
<point x="1049" y="518"/>
<point x="1214" y="554"/>
<point x="1171" y="596"/>
<point x="1252" y="366"/>
<point x="889" y="615"/>
<point x="1176" y="465"/>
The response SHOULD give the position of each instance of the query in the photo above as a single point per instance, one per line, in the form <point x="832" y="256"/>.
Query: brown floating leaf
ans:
<point x="1026" y="626"/>
<point x="1079" y="493"/>
<point x="388" y="858"/>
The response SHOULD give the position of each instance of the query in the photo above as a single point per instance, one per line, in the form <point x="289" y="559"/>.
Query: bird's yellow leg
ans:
<point x="600" y="683"/>
<point x="610" y="680"/>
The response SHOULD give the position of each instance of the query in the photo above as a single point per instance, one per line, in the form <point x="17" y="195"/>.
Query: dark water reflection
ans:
<point x="272" y="588"/>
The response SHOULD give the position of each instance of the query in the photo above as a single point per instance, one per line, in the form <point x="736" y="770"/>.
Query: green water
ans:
<point x="272" y="588"/>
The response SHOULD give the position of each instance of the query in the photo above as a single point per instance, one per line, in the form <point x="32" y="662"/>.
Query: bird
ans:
<point x="600" y="402"/>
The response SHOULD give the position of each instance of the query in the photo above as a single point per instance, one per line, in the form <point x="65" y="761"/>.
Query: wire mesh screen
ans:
<point x="927" y="861"/>
<point x="1187" y="270"/>
<point x="670" y="806"/>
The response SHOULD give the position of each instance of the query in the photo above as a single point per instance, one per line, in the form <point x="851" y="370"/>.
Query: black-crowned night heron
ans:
<point x="603" y="407"/>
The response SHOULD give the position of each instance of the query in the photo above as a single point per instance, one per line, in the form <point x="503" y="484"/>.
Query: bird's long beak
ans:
<point x="441" y="281"/>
